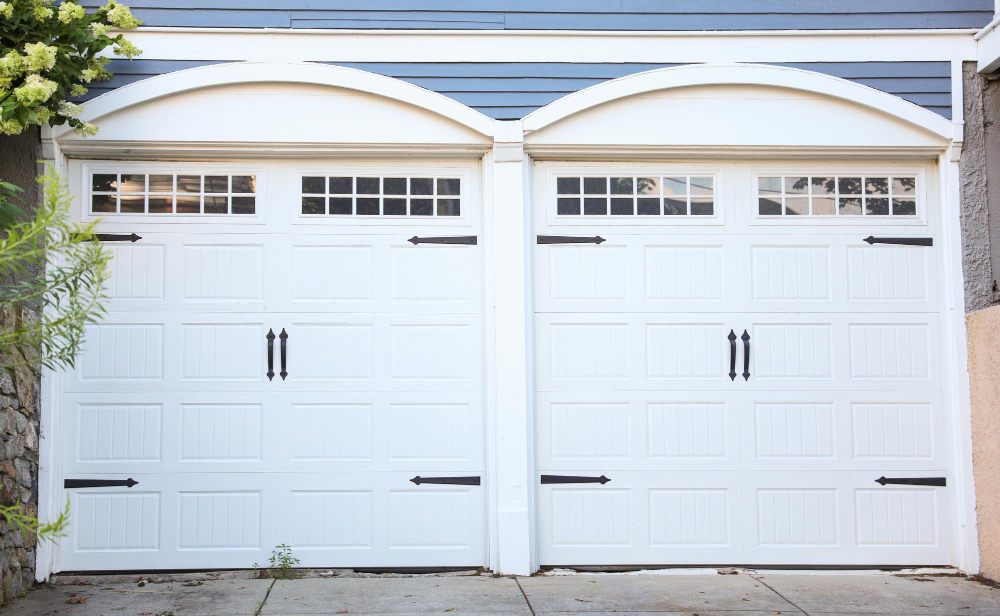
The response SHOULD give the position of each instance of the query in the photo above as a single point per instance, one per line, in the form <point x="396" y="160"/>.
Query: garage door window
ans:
<point x="635" y="196"/>
<point x="381" y="196"/>
<point x="833" y="195"/>
<point x="172" y="193"/>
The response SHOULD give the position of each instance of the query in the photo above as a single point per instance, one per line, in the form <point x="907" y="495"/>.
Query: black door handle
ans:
<point x="270" y="354"/>
<point x="284" y="352"/>
<point x="732" y="355"/>
<point x="746" y="355"/>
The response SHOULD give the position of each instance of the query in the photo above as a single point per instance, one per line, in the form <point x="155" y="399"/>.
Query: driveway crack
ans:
<point x="789" y="601"/>
<point x="261" y="605"/>
<point x="526" y="599"/>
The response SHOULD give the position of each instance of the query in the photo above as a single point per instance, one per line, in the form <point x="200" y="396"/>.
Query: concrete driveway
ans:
<point x="702" y="592"/>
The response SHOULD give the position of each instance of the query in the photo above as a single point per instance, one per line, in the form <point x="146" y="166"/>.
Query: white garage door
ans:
<point x="724" y="377"/>
<point x="280" y="365"/>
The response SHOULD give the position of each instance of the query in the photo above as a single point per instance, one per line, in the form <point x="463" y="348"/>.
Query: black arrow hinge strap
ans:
<point x="99" y="483"/>
<point x="912" y="481"/>
<point x="574" y="479"/>
<point x="462" y="481"/>
<point x="470" y="240"/>
<point x="901" y="241"/>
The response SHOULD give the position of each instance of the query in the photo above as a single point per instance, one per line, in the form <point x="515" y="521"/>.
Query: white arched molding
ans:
<point x="306" y="73"/>
<point x="693" y="75"/>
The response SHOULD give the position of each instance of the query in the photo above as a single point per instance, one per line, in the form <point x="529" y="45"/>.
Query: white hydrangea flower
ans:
<point x="86" y="129"/>
<point x="6" y="10"/>
<point x="36" y="89"/>
<point x="39" y="56"/>
<point x="69" y="109"/>
<point x="99" y="29"/>
<point x="12" y="64"/>
<point x="121" y="16"/>
<point x="88" y="75"/>
<point x="127" y="49"/>
<point x="10" y="127"/>
<point x="69" y="11"/>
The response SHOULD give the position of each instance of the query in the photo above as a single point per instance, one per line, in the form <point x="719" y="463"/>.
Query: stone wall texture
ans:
<point x="984" y="367"/>
<point x="19" y="408"/>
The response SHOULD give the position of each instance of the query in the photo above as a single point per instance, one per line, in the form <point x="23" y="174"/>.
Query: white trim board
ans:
<point x="548" y="46"/>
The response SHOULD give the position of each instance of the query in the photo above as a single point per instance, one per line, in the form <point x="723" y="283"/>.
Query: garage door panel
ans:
<point x="823" y="273"/>
<point x="633" y="274"/>
<point x="843" y="518"/>
<point x="633" y="351"/>
<point x="841" y="351"/>
<point x="642" y="518"/>
<point x="819" y="430"/>
<point x="637" y="430"/>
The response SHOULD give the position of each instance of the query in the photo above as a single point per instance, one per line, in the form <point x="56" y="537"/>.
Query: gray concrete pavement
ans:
<point x="746" y="593"/>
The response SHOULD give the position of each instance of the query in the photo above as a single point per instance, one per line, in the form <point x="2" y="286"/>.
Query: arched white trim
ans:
<point x="737" y="74"/>
<point x="281" y="72"/>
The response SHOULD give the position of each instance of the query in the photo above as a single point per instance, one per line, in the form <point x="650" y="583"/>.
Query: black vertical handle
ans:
<point x="284" y="352"/>
<point x="270" y="354"/>
<point x="732" y="355"/>
<point x="746" y="355"/>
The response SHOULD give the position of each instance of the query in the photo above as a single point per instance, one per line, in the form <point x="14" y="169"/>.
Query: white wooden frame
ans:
<point x="506" y="195"/>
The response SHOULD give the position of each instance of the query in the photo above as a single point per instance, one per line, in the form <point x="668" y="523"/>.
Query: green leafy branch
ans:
<point x="29" y="524"/>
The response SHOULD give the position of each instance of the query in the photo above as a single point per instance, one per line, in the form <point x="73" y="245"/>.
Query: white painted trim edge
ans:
<point x="738" y="74"/>
<point x="280" y="72"/>
<point x="988" y="47"/>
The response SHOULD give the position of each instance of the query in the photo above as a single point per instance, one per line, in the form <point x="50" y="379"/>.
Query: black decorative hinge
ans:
<point x="283" y="337"/>
<point x="270" y="354"/>
<point x="99" y="483"/>
<point x="462" y="481"/>
<point x="574" y="479"/>
<point x="471" y="240"/>
<point x="732" y="355"/>
<point x="569" y="239"/>
<point x="902" y="241"/>
<point x="118" y="237"/>
<point x="912" y="481"/>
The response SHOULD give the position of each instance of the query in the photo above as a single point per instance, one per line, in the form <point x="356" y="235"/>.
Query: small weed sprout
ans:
<point x="283" y="563"/>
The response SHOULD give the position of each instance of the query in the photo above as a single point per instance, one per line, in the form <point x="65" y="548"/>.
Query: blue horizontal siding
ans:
<point x="511" y="90"/>
<point x="654" y="15"/>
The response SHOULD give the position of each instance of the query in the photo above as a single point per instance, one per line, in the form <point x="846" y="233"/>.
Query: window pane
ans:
<point x="568" y="186"/>
<point x="701" y="206"/>
<point x="769" y="186"/>
<point x="674" y="207"/>
<point x="394" y="207"/>
<point x="189" y="183"/>
<point x="394" y="186"/>
<point x="769" y="207"/>
<point x="823" y="206"/>
<point x="161" y="183"/>
<point x="647" y="186"/>
<point x="675" y="186"/>
<point x="104" y="203"/>
<point x="701" y="186"/>
<point x="367" y="186"/>
<point x="188" y="204"/>
<point x="133" y="204"/>
<point x="797" y="186"/>
<point x="904" y="186"/>
<point x="216" y="183"/>
<point x="244" y="205"/>
<point x="593" y="207"/>
<point x="421" y="207"/>
<point x="904" y="207"/>
<point x="849" y="186"/>
<point x="105" y="182"/>
<point x="850" y="207"/>
<point x="313" y="205"/>
<point x="797" y="206"/>
<point x="449" y="186"/>
<point x="824" y="186"/>
<point x="341" y="186"/>
<point x="216" y="205"/>
<point x="877" y="206"/>
<point x="621" y="207"/>
<point x="595" y="186"/>
<point x="621" y="186"/>
<point x="567" y="207"/>
<point x="421" y="186"/>
<point x="341" y="206"/>
<point x="244" y="184"/>
<point x="161" y="205"/>
<point x="448" y="207"/>
<point x="648" y="207"/>
<point x="877" y="186"/>
<point x="133" y="182"/>
<point x="367" y="206"/>
<point x="313" y="185"/>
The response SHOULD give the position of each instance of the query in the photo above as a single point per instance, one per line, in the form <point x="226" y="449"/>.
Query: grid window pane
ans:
<point x="104" y="182"/>
<point x="394" y="186"/>
<point x="421" y="207"/>
<point x="244" y="183"/>
<point x="216" y="205"/>
<point x="568" y="186"/>
<point x="904" y="207"/>
<point x="341" y="206"/>
<point x="635" y="196"/>
<point x="592" y="206"/>
<point x="367" y="206"/>
<point x="161" y="205"/>
<point x="568" y="207"/>
<point x="216" y="184"/>
<point x="133" y="204"/>
<point x="341" y="186"/>
<point x="104" y="203"/>
<point x="700" y="206"/>
<point x="133" y="182"/>
<point x="622" y="186"/>
<point x="394" y="207"/>
<point x="313" y="185"/>
<point x="188" y="204"/>
<point x="648" y="206"/>
<point x="595" y="186"/>
<point x="313" y="205"/>
<point x="834" y="195"/>
<point x="189" y="183"/>
<point x="674" y="207"/>
<point x="449" y="186"/>
<point x="368" y="186"/>
<point x="622" y="207"/>
<point x="421" y="186"/>
<point x="448" y="207"/>
<point x="161" y="183"/>
<point x="244" y="205"/>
